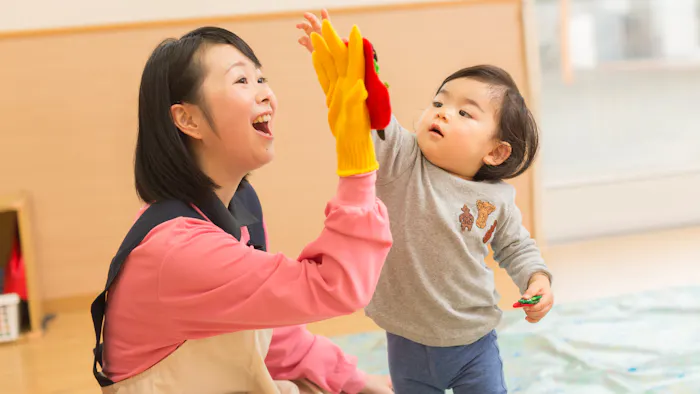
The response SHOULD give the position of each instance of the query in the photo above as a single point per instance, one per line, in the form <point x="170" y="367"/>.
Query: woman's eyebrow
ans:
<point x="234" y="65"/>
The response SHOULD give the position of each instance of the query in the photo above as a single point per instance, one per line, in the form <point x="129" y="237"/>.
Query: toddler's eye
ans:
<point x="464" y="113"/>
<point x="437" y="104"/>
<point x="242" y="80"/>
<point x="262" y="80"/>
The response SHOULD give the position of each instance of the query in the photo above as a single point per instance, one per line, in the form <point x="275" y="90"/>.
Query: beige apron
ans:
<point x="225" y="364"/>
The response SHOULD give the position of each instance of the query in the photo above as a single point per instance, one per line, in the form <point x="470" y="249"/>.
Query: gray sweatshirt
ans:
<point x="435" y="288"/>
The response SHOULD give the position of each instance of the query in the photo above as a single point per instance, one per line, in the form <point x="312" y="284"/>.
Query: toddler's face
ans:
<point x="457" y="132"/>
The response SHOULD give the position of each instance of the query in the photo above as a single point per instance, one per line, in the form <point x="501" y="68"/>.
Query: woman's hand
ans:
<point x="340" y="70"/>
<point x="312" y="25"/>
<point x="378" y="385"/>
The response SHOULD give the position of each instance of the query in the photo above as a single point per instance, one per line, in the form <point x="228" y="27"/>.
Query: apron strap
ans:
<point x="245" y="206"/>
<point x="154" y="215"/>
<point x="247" y="196"/>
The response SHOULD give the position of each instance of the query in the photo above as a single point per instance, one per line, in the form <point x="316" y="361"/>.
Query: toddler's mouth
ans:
<point x="435" y="128"/>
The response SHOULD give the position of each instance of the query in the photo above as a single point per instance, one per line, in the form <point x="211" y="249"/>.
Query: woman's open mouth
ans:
<point x="262" y="125"/>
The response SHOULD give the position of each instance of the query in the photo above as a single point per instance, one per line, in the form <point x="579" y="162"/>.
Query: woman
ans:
<point x="193" y="308"/>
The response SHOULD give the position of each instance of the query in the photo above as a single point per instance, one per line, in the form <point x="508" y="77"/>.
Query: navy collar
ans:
<point x="230" y="220"/>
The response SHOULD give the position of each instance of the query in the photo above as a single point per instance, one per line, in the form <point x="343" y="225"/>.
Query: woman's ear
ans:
<point x="185" y="118"/>
<point x="500" y="153"/>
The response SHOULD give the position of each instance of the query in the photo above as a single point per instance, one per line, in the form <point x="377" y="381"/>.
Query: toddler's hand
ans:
<point x="378" y="385"/>
<point x="539" y="285"/>
<point x="312" y="25"/>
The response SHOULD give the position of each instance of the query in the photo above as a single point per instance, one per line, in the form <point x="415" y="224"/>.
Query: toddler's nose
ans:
<point x="444" y="113"/>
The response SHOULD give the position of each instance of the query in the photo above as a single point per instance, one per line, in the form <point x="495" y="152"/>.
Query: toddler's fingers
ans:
<point x="305" y="41"/>
<point x="535" y="308"/>
<point x="531" y="292"/>
<point x="314" y="22"/>
<point x="546" y="300"/>
<point x="306" y="26"/>
<point x="539" y="313"/>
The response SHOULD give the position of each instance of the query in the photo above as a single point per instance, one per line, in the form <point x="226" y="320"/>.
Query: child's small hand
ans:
<point x="539" y="285"/>
<point x="312" y="25"/>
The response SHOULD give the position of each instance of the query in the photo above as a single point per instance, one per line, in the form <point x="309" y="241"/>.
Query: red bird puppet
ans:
<point x="378" y="103"/>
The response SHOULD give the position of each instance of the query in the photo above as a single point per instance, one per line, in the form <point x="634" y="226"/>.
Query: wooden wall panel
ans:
<point x="69" y="121"/>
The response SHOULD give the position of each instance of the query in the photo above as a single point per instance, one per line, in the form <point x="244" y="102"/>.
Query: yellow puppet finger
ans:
<point x="323" y="55"/>
<point x="321" y="72"/>
<point x="355" y="103"/>
<point x="334" y="109"/>
<point x="336" y="46"/>
<point x="331" y="92"/>
<point x="321" y="48"/>
<point x="356" y="56"/>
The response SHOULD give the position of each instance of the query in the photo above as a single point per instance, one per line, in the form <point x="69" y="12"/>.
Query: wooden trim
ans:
<point x="214" y="20"/>
<point x="11" y="202"/>
<point x="79" y="303"/>
<point x="20" y="204"/>
<point x="533" y="72"/>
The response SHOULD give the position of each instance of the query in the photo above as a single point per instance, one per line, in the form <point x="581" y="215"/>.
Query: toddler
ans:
<point x="444" y="188"/>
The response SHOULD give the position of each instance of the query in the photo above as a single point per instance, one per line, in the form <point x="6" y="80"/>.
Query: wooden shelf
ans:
<point x="19" y="204"/>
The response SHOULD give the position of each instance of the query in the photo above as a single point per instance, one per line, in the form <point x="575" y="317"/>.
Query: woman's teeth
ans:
<point x="262" y="119"/>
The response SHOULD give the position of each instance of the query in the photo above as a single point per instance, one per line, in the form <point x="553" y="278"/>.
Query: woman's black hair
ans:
<point x="515" y="123"/>
<point x="164" y="166"/>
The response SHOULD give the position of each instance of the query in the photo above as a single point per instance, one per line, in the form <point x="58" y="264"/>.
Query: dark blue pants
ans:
<point x="418" y="369"/>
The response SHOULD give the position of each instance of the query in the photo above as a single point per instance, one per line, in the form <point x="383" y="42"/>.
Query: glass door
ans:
<point x="619" y="114"/>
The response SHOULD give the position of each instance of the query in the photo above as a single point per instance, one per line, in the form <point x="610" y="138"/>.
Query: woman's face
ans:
<point x="236" y="115"/>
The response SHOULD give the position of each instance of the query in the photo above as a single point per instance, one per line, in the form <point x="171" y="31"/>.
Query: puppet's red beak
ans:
<point x="378" y="101"/>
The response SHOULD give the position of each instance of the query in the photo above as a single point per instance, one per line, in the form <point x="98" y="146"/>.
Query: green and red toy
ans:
<point x="527" y="302"/>
<point x="378" y="102"/>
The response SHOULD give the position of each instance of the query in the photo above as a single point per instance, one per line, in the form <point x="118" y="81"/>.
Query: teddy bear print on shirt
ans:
<point x="485" y="209"/>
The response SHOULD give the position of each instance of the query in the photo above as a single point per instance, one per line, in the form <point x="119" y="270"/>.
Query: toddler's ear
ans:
<point x="500" y="153"/>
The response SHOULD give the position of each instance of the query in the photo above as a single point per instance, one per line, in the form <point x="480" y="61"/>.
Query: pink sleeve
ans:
<point x="210" y="283"/>
<point x="296" y="353"/>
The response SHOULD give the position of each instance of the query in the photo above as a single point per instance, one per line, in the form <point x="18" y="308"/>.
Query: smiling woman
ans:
<point x="196" y="303"/>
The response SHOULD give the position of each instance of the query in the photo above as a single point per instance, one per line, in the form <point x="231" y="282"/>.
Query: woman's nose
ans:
<point x="264" y="94"/>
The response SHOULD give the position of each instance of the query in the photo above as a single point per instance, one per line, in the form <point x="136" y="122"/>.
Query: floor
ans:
<point x="643" y="342"/>
<point x="60" y="361"/>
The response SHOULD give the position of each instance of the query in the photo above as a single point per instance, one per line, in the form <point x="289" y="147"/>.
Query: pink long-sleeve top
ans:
<point x="188" y="279"/>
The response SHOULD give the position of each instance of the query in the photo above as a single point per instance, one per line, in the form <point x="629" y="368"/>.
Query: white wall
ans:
<point x="617" y="125"/>
<point x="620" y="152"/>
<point x="40" y="14"/>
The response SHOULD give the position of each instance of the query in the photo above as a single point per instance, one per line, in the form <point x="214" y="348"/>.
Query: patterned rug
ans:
<point x="639" y="343"/>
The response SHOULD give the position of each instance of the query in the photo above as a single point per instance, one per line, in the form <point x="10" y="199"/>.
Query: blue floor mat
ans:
<point x="640" y="343"/>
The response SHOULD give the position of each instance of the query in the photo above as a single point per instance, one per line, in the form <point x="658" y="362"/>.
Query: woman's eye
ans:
<point x="437" y="104"/>
<point x="464" y="113"/>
